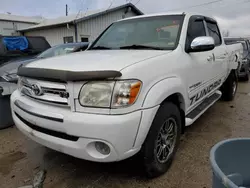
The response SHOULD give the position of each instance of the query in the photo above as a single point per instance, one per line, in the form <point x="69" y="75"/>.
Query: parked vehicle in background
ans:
<point x="8" y="71"/>
<point x="134" y="90"/>
<point x="13" y="47"/>
<point x="8" y="75"/>
<point x="243" y="72"/>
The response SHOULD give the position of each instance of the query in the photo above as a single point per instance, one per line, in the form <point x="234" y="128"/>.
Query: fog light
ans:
<point x="102" y="148"/>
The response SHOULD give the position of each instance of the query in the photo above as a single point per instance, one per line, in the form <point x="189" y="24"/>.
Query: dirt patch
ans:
<point x="7" y="161"/>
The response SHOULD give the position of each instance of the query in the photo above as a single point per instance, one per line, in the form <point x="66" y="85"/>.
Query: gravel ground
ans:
<point x="21" y="158"/>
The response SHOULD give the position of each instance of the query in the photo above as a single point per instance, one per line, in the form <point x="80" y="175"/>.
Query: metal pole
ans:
<point x="66" y="10"/>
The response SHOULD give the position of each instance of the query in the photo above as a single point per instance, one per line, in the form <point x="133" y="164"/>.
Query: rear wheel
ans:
<point x="162" y="141"/>
<point x="229" y="87"/>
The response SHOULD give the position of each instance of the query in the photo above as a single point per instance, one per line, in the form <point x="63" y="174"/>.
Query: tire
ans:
<point x="154" y="165"/>
<point x="229" y="87"/>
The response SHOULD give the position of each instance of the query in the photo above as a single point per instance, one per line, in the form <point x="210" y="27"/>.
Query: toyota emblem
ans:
<point x="37" y="90"/>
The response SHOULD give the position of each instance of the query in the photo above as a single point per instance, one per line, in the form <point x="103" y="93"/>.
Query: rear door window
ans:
<point x="214" y="32"/>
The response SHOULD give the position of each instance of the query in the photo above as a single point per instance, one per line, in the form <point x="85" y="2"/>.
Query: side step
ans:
<point x="199" y="110"/>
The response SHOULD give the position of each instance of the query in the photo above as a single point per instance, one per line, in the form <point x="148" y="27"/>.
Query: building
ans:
<point x="10" y="24"/>
<point x="82" y="27"/>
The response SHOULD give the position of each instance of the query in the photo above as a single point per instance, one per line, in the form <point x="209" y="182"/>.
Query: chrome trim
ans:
<point x="32" y="111"/>
<point x="45" y="91"/>
<point x="45" y="84"/>
<point x="44" y="98"/>
<point x="202" y="41"/>
<point x="200" y="44"/>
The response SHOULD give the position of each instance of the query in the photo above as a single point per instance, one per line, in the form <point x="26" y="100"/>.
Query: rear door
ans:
<point x="220" y="55"/>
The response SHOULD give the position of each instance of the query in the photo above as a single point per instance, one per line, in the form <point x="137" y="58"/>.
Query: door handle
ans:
<point x="209" y="58"/>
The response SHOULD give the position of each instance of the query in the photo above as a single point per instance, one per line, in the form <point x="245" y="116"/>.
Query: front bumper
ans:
<point x="75" y="133"/>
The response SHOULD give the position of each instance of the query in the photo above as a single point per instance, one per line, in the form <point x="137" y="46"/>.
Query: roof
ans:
<point x="25" y="19"/>
<point x="154" y="15"/>
<point x="71" y="19"/>
<point x="167" y="14"/>
<point x="59" y="21"/>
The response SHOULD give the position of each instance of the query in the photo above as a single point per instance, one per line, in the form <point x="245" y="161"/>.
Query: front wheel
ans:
<point x="162" y="140"/>
<point x="229" y="87"/>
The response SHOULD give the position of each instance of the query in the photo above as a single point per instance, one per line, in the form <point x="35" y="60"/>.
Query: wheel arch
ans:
<point x="166" y="89"/>
<point x="179" y="101"/>
<point x="173" y="93"/>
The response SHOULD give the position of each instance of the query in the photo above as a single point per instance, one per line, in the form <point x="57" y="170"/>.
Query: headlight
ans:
<point x="125" y="93"/>
<point x="109" y="94"/>
<point x="96" y="94"/>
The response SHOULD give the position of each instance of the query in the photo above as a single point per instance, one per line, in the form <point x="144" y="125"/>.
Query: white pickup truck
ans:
<point x="133" y="91"/>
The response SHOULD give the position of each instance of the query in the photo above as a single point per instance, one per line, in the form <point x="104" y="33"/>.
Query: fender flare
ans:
<point x="234" y="62"/>
<point x="165" y="88"/>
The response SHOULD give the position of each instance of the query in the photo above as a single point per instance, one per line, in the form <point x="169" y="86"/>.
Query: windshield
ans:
<point x="58" y="50"/>
<point x="159" y="32"/>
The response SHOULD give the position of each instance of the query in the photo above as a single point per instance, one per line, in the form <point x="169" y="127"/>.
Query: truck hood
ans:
<point x="96" y="60"/>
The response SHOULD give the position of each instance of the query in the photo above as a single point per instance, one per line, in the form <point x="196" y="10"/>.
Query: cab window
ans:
<point x="195" y="29"/>
<point x="214" y="32"/>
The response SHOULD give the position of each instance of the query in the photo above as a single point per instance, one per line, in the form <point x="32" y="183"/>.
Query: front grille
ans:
<point x="47" y="131"/>
<point x="45" y="91"/>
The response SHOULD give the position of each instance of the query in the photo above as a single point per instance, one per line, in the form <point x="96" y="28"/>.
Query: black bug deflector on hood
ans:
<point x="64" y="76"/>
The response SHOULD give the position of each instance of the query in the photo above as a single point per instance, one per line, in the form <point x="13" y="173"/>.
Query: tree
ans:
<point x="225" y="33"/>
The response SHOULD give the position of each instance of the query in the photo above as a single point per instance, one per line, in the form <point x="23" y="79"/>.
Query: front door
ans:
<point x="201" y="64"/>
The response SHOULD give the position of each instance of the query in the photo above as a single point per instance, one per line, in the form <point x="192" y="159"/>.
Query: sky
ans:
<point x="232" y="15"/>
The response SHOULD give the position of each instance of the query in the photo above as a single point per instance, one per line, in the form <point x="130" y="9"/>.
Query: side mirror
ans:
<point x="202" y="44"/>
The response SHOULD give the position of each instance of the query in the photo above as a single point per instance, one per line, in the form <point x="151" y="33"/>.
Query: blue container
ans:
<point x="230" y="162"/>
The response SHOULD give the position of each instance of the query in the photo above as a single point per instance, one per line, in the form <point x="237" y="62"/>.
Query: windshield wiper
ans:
<point x="137" y="46"/>
<point x="100" y="48"/>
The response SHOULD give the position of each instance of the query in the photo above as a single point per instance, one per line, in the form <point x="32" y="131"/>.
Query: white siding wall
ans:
<point x="55" y="35"/>
<point x="93" y="27"/>
<point x="89" y="28"/>
<point x="9" y="27"/>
